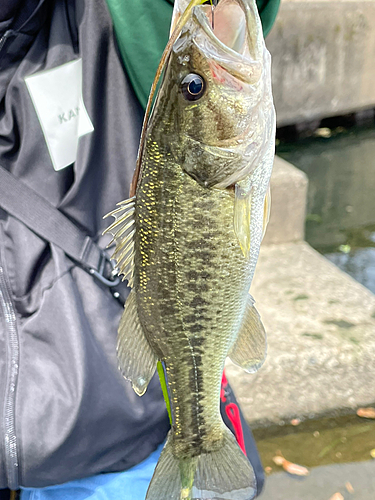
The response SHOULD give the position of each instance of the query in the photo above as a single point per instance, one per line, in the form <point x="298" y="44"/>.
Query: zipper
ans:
<point x="11" y="335"/>
<point x="3" y="39"/>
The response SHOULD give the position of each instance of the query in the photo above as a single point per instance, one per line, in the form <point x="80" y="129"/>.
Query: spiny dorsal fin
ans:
<point x="123" y="230"/>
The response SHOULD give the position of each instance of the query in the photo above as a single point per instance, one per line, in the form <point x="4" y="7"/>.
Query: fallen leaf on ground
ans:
<point x="372" y="453"/>
<point x="296" y="470"/>
<point x="349" y="487"/>
<point x="268" y="470"/>
<point x="366" y="412"/>
<point x="337" y="496"/>
<point x="279" y="460"/>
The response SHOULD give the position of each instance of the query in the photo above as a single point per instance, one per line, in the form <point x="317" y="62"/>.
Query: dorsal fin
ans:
<point x="163" y="61"/>
<point x="123" y="231"/>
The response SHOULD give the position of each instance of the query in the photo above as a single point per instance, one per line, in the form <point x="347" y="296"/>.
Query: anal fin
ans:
<point x="137" y="361"/>
<point x="250" y="349"/>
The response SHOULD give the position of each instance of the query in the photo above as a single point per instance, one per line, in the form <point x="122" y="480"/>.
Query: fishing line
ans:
<point x="213" y="6"/>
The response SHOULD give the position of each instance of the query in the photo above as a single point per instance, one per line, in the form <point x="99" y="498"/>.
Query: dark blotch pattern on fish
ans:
<point x="191" y="277"/>
<point x="185" y="274"/>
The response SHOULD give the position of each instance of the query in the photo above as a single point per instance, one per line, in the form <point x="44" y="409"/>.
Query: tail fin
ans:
<point x="222" y="474"/>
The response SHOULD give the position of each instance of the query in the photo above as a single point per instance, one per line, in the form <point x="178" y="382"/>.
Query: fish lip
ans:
<point x="247" y="66"/>
<point x="250" y="15"/>
<point x="254" y="32"/>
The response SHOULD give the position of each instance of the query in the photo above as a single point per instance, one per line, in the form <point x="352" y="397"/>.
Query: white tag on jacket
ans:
<point x="57" y="97"/>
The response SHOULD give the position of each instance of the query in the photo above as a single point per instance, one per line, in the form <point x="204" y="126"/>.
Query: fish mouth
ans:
<point x="232" y="37"/>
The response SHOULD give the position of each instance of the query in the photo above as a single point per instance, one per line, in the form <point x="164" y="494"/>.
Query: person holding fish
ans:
<point x="186" y="241"/>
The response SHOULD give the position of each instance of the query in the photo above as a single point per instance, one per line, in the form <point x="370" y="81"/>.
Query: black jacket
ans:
<point x="65" y="411"/>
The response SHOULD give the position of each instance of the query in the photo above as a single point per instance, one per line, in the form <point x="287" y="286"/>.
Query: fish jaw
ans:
<point x="236" y="24"/>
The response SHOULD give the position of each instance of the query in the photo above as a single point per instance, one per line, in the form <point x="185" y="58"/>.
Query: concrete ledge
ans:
<point x="323" y="58"/>
<point x="321" y="337"/>
<point x="288" y="203"/>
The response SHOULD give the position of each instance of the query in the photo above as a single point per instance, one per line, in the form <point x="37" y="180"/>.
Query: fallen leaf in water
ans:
<point x="295" y="421"/>
<point x="366" y="412"/>
<point x="372" y="453"/>
<point x="345" y="248"/>
<point x="337" y="496"/>
<point x="323" y="132"/>
<point x="296" y="470"/>
<point x="349" y="487"/>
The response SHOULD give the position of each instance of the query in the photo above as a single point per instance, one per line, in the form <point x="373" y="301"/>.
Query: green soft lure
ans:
<point x="164" y="388"/>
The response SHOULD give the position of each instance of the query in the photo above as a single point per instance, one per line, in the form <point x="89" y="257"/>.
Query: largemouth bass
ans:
<point x="187" y="240"/>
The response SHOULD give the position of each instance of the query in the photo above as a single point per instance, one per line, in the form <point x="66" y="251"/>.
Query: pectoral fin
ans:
<point x="242" y="214"/>
<point x="250" y="349"/>
<point x="267" y="210"/>
<point x="137" y="361"/>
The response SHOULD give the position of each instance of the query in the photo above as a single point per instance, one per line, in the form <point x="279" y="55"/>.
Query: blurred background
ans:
<point x="313" y="401"/>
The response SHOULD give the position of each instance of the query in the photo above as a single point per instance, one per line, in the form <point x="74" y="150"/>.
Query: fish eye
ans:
<point x="193" y="87"/>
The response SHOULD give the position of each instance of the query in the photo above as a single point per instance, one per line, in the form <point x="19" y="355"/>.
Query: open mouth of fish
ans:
<point x="232" y="35"/>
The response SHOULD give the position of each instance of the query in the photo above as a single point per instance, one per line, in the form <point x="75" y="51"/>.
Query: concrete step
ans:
<point x="321" y="338"/>
<point x="288" y="204"/>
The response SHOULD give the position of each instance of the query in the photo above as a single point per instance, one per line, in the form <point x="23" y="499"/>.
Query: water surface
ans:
<point x="340" y="220"/>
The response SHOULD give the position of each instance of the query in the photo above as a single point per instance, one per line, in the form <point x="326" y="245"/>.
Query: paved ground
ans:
<point x="323" y="482"/>
<point x="321" y="337"/>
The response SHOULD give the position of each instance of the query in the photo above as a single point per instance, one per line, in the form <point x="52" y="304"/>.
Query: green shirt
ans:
<point x="142" y="30"/>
